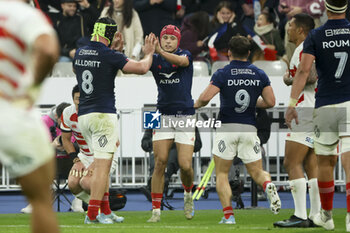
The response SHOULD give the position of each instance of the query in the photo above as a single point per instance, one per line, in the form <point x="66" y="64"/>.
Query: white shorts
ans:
<point x="101" y="131"/>
<point x="237" y="139"/>
<point x="330" y="123"/>
<point x="302" y="138"/>
<point x="24" y="140"/>
<point x="88" y="160"/>
<point x="303" y="132"/>
<point x="183" y="135"/>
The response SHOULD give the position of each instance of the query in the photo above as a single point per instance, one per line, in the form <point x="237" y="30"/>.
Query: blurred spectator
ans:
<point x="54" y="6"/>
<point x="269" y="35"/>
<point x="247" y="17"/>
<point x="314" y="8"/>
<point x="192" y="6"/>
<point x="248" y="13"/>
<point x="155" y="14"/>
<point x="74" y="28"/>
<point x="194" y="29"/>
<point x="129" y="25"/>
<point x="227" y="25"/>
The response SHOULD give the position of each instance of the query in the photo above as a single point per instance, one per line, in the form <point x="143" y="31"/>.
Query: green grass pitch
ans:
<point x="205" y="221"/>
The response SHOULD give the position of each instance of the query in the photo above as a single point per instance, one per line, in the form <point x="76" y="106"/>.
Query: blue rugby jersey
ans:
<point x="174" y="85"/>
<point x="96" y="67"/>
<point x="330" y="44"/>
<point x="241" y="84"/>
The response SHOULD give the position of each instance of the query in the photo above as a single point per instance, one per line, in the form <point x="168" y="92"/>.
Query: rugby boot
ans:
<point x="188" y="205"/>
<point x="324" y="219"/>
<point x="293" y="222"/>
<point x="114" y="217"/>
<point x="155" y="216"/>
<point x="273" y="198"/>
<point x="230" y="220"/>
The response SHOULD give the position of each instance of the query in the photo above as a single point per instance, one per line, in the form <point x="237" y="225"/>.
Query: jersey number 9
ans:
<point x="242" y="98"/>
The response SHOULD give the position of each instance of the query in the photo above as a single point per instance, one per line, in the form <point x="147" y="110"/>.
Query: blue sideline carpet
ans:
<point x="136" y="201"/>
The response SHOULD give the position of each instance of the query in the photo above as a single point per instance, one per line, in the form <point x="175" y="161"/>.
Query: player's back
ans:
<point x="241" y="84"/>
<point x="96" y="67"/>
<point x="330" y="44"/>
<point x="20" y="25"/>
<point x="69" y="122"/>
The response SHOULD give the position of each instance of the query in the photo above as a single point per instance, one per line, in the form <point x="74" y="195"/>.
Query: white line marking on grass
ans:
<point x="151" y="226"/>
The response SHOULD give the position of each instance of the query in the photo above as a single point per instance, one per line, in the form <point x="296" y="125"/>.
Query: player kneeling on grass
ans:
<point x="240" y="85"/>
<point x="79" y="180"/>
<point x="173" y="72"/>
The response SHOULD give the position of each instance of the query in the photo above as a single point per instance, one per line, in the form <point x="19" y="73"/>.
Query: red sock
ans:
<point x="105" y="204"/>
<point x="265" y="184"/>
<point x="326" y="194"/>
<point x="187" y="189"/>
<point x="348" y="196"/>
<point x="228" y="211"/>
<point x="156" y="200"/>
<point x="93" y="207"/>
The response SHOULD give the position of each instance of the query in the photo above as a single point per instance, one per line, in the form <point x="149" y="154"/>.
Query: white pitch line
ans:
<point x="120" y="226"/>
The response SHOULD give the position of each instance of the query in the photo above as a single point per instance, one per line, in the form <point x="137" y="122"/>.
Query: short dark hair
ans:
<point x="75" y="90"/>
<point x="269" y="17"/>
<point x="60" y="108"/>
<point x="304" y="21"/>
<point x="239" y="46"/>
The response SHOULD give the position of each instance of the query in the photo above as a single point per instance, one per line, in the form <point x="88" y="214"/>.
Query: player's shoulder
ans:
<point x="69" y="111"/>
<point x="183" y="52"/>
<point x="22" y="13"/>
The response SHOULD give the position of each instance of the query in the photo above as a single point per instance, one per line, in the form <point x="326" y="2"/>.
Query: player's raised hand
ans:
<point x="291" y="114"/>
<point x="158" y="48"/>
<point x="149" y="46"/>
<point x="118" y="42"/>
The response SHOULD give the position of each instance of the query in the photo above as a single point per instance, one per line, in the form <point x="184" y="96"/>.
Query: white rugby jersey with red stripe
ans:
<point x="20" y="26"/>
<point x="307" y="96"/>
<point x="69" y="123"/>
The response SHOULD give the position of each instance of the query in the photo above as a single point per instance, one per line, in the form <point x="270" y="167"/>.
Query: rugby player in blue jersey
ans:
<point x="329" y="47"/>
<point x="96" y="66"/>
<point x="242" y="87"/>
<point x="173" y="71"/>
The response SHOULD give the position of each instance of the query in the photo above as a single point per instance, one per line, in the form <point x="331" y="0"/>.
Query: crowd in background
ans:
<point x="206" y="25"/>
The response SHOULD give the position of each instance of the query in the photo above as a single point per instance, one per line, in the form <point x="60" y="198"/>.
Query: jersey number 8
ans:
<point x="86" y="85"/>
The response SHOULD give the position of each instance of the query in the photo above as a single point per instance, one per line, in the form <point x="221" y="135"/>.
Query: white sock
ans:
<point x="314" y="195"/>
<point x="84" y="196"/>
<point x="298" y="187"/>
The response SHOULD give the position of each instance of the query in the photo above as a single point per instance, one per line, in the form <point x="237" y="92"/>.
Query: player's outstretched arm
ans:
<point x="268" y="98"/>
<point x="206" y="96"/>
<point x="142" y="66"/>
<point x="45" y="55"/>
<point x="174" y="59"/>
